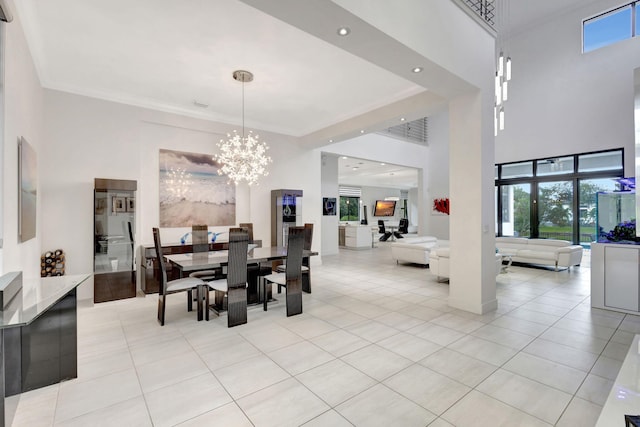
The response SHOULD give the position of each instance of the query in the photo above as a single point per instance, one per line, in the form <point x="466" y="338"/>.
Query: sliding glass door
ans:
<point x="516" y="210"/>
<point x="555" y="210"/>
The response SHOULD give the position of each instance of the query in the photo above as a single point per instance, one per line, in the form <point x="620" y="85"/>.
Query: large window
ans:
<point x="349" y="208"/>
<point x="555" y="198"/>
<point x="610" y="27"/>
<point x="350" y="203"/>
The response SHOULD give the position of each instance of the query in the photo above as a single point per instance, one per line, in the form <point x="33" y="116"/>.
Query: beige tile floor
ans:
<point x="377" y="345"/>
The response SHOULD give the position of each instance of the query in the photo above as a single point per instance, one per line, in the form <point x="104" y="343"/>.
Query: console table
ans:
<point x="38" y="333"/>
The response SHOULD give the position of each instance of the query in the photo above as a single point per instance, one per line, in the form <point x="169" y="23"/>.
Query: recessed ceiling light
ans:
<point x="362" y="131"/>
<point x="355" y="168"/>
<point x="344" y="31"/>
<point x="417" y="69"/>
<point x="344" y="157"/>
<point x="331" y="140"/>
<point x="402" y="119"/>
<point x="382" y="164"/>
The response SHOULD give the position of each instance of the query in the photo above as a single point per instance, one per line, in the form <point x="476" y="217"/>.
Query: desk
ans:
<point x="38" y="335"/>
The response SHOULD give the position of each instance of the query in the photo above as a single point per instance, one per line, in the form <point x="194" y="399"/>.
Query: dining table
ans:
<point x="187" y="263"/>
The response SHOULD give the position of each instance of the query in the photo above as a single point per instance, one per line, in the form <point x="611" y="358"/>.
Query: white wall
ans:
<point x="89" y="138"/>
<point x="369" y="197"/>
<point x="562" y="101"/>
<point x="438" y="174"/>
<point x="23" y="106"/>
<point x="329" y="188"/>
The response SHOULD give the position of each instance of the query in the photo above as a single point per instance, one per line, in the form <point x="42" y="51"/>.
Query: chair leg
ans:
<point x="264" y="294"/>
<point x="199" y="302"/>
<point x="190" y="300"/>
<point x="161" y="309"/>
<point x="206" y="302"/>
<point x="237" y="306"/>
<point x="279" y="289"/>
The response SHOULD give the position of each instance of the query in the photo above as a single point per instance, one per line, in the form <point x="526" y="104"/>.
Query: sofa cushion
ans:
<point x="416" y="246"/>
<point x="418" y="239"/>
<point x="542" y="255"/>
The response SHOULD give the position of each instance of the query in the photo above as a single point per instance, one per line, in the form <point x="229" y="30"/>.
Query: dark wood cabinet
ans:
<point x="114" y="239"/>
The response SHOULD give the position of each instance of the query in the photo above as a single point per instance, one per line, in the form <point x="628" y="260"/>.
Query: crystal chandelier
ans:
<point x="503" y="66"/>
<point x="243" y="157"/>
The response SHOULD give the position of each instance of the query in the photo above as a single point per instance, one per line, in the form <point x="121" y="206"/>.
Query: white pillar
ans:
<point x="472" y="282"/>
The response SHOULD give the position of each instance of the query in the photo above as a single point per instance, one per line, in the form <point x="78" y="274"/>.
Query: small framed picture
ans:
<point x="131" y="204"/>
<point x="328" y="206"/>
<point x="119" y="204"/>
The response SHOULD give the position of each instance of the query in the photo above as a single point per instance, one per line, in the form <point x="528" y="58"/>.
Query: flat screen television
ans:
<point x="384" y="208"/>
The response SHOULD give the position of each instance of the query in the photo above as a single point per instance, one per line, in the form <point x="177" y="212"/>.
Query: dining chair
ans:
<point x="255" y="272"/>
<point x="381" y="230"/>
<point x="291" y="279"/>
<point x="168" y="287"/>
<point x="249" y="227"/>
<point x="403" y="226"/>
<point x="200" y="244"/>
<point x="234" y="286"/>
<point x="306" y="268"/>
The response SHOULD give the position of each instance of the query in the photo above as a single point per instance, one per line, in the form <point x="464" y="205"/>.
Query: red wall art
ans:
<point x="441" y="206"/>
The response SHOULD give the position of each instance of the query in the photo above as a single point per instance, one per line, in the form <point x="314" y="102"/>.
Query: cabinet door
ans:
<point x="621" y="277"/>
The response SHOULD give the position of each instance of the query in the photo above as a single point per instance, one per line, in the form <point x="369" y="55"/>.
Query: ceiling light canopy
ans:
<point x="243" y="158"/>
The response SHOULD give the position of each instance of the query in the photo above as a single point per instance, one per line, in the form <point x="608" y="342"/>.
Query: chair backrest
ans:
<point x="295" y="244"/>
<point x="249" y="227"/>
<point x="308" y="236"/>
<point x="381" y="228"/>
<point x="403" y="226"/>
<point x="199" y="238"/>
<point x="163" y="270"/>
<point x="237" y="267"/>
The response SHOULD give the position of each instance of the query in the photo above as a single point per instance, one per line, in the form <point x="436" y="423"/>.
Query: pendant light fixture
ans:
<point x="503" y="64"/>
<point x="243" y="157"/>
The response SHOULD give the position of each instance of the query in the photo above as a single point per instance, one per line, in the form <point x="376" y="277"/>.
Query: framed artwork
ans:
<point x="131" y="204"/>
<point x="328" y="206"/>
<point x="100" y="205"/>
<point x="440" y="206"/>
<point x="27" y="191"/>
<point x="192" y="191"/>
<point x="118" y="204"/>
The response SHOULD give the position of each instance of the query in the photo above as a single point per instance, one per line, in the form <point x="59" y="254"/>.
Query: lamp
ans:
<point x="503" y="65"/>
<point x="243" y="158"/>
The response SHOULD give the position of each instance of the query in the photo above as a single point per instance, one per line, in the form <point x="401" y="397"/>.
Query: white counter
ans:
<point x="624" y="397"/>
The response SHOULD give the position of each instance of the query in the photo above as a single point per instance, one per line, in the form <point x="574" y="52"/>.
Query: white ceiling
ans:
<point x="359" y="172"/>
<point x="166" y="54"/>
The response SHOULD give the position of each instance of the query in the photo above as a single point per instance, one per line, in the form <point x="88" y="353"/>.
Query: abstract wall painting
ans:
<point x="193" y="192"/>
<point x="27" y="191"/>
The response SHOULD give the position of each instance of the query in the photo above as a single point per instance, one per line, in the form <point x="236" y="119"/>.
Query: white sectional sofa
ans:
<point x="414" y="249"/>
<point x="439" y="262"/>
<point x="558" y="253"/>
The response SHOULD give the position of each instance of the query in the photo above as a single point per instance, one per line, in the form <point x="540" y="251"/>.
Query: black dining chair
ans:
<point x="234" y="286"/>
<point x="291" y="279"/>
<point x="167" y="287"/>
<point x="381" y="230"/>
<point x="306" y="268"/>
<point x="200" y="244"/>
<point x="403" y="226"/>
